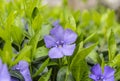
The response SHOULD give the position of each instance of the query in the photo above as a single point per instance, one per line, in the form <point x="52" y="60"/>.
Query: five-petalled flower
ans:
<point x="97" y="75"/>
<point x="60" y="41"/>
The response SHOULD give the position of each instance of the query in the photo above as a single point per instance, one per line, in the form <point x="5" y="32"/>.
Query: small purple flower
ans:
<point x="60" y="41"/>
<point x="97" y="75"/>
<point x="23" y="67"/>
<point x="4" y="74"/>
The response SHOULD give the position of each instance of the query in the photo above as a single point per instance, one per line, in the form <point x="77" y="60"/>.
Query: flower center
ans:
<point x="100" y="78"/>
<point x="59" y="44"/>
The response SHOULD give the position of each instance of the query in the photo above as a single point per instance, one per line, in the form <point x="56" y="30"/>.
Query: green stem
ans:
<point x="60" y="62"/>
<point x="67" y="74"/>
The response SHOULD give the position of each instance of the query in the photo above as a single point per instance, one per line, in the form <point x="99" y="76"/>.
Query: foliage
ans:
<point x="24" y="23"/>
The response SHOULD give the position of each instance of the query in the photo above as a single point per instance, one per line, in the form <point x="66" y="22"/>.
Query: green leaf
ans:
<point x="68" y="19"/>
<point x="34" y="41"/>
<point x="89" y="38"/>
<point x="64" y="75"/>
<point x="3" y="35"/>
<point x="115" y="61"/>
<point x="42" y="67"/>
<point x="10" y="20"/>
<point x="96" y="18"/>
<point x="85" y="18"/>
<point x="83" y="53"/>
<point x="23" y="55"/>
<point x="75" y="64"/>
<point x="111" y="46"/>
<point x="93" y="58"/>
<point x="77" y="15"/>
<point x="80" y="71"/>
<point x="70" y="22"/>
<point x="29" y="7"/>
<point x="37" y="21"/>
<point x="41" y="51"/>
<point x="6" y="53"/>
<point x="46" y="76"/>
<point x="110" y="18"/>
<point x="17" y="75"/>
<point x="35" y="12"/>
<point x="117" y="74"/>
<point x="45" y="30"/>
<point x="52" y="63"/>
<point x="17" y="34"/>
<point x="6" y="29"/>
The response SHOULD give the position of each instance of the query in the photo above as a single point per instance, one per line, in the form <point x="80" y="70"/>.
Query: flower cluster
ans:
<point x="61" y="43"/>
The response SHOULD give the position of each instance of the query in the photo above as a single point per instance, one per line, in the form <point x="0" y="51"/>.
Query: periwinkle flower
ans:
<point x="60" y="41"/>
<point x="23" y="68"/>
<point x="97" y="75"/>
<point x="4" y="73"/>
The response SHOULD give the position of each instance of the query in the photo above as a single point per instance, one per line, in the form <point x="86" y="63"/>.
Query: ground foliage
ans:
<point x="24" y="23"/>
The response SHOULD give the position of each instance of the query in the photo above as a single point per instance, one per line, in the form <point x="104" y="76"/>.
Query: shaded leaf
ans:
<point x="23" y="55"/>
<point x="111" y="46"/>
<point x="41" y="51"/>
<point x="64" y="75"/>
<point x="76" y="65"/>
<point x="46" y="76"/>
<point x="42" y="67"/>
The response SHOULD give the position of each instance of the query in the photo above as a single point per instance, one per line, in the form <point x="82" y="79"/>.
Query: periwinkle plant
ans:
<point x="23" y="68"/>
<point x="60" y="41"/>
<point x="97" y="75"/>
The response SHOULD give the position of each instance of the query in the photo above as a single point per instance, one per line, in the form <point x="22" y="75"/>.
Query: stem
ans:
<point x="60" y="62"/>
<point x="67" y="73"/>
<point x="68" y="68"/>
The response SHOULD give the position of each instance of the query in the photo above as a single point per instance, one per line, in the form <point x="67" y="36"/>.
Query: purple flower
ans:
<point x="4" y="74"/>
<point x="97" y="75"/>
<point x="23" y="67"/>
<point x="60" y="41"/>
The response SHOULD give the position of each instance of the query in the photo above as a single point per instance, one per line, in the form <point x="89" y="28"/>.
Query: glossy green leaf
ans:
<point x="35" y="12"/>
<point x="23" y="55"/>
<point x="46" y="76"/>
<point x="34" y="41"/>
<point x="6" y="54"/>
<point x="116" y="61"/>
<point x="96" y="18"/>
<point x="17" y="75"/>
<point x="41" y="51"/>
<point x="37" y="21"/>
<point x="64" y="75"/>
<point x="70" y="22"/>
<point x="110" y="18"/>
<point x="10" y="20"/>
<point x="80" y="56"/>
<point x="80" y="71"/>
<point x="111" y="46"/>
<point x="17" y="34"/>
<point x="89" y="38"/>
<point x="85" y="18"/>
<point x="29" y="7"/>
<point x="45" y="30"/>
<point x="42" y="67"/>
